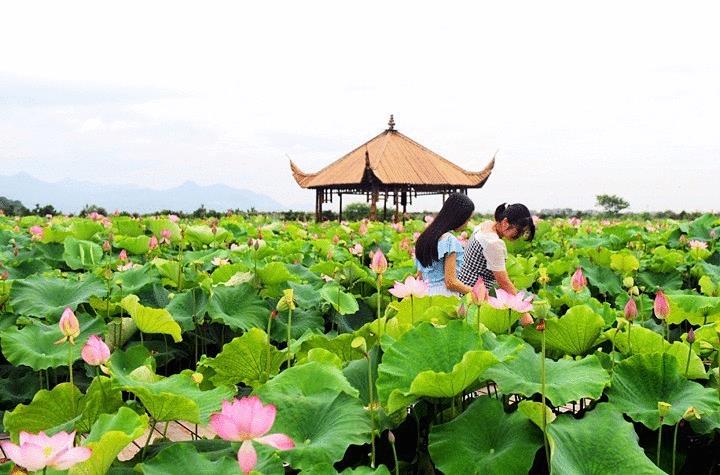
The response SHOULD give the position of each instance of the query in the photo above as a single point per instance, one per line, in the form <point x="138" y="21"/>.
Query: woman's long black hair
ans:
<point x="455" y="211"/>
<point x="518" y="216"/>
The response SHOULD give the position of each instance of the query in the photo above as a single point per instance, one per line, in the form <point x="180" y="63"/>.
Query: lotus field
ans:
<point x="289" y="347"/>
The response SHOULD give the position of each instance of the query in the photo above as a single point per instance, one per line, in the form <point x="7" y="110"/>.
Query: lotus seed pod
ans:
<point x="664" y="408"/>
<point x="628" y="282"/>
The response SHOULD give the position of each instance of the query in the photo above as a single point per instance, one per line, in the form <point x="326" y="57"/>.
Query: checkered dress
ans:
<point x="475" y="265"/>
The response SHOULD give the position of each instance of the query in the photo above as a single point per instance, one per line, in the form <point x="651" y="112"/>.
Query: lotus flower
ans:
<point x="518" y="302"/>
<point x="123" y="255"/>
<point x="398" y="227"/>
<point x="578" y="280"/>
<point x="631" y="310"/>
<point x="526" y="320"/>
<point x="363" y="229"/>
<point x="165" y="236"/>
<point x="691" y="336"/>
<point x="219" y="262"/>
<point x="106" y="246"/>
<point x="246" y="420"/>
<point x="36" y="452"/>
<point x="95" y="352"/>
<point x="696" y="244"/>
<point x="479" y="292"/>
<point x="661" y="305"/>
<point x="411" y="287"/>
<point x="574" y="221"/>
<point x="356" y="250"/>
<point x="174" y="218"/>
<point x="429" y="219"/>
<point x="378" y="264"/>
<point x="37" y="233"/>
<point x="69" y="326"/>
<point x="153" y="244"/>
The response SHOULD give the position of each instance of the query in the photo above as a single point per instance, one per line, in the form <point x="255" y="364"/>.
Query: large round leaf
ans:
<point x="344" y="303"/>
<point x="431" y="361"/>
<point x="696" y="309"/>
<point x="188" y="307"/>
<point x="151" y="320"/>
<point x="238" y="307"/>
<point x="436" y="308"/>
<point x="641" y="381"/>
<point x="602" y="442"/>
<point x="82" y="254"/>
<point x="136" y="245"/>
<point x="47" y="297"/>
<point x="573" y="334"/>
<point x="34" y="345"/>
<point x="565" y="380"/>
<point x="485" y="440"/>
<point x="319" y="410"/>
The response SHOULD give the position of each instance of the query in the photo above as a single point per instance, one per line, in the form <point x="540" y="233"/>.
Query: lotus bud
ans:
<point x="691" y="336"/>
<point x="479" y="292"/>
<point x="526" y="320"/>
<point x="274" y="314"/>
<point x="540" y="326"/>
<point x="391" y="437"/>
<point x="5" y="275"/>
<point x="379" y="263"/>
<point x="634" y="290"/>
<point x="106" y="246"/>
<point x="691" y="414"/>
<point x="153" y="244"/>
<point x="628" y="282"/>
<point x="578" y="281"/>
<point x="462" y="310"/>
<point x="95" y="352"/>
<point x="123" y="255"/>
<point x="661" y="305"/>
<point x="664" y="409"/>
<point x="631" y="310"/>
<point x="69" y="326"/>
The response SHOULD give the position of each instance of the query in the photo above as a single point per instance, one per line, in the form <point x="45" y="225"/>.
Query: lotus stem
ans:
<point x="509" y="320"/>
<point x="70" y="364"/>
<point x="379" y="303"/>
<point x="687" y="364"/>
<point x="667" y="330"/>
<point x="412" y="309"/>
<point x="675" y="446"/>
<point x="289" y="333"/>
<point x="477" y="315"/>
<point x="372" y="411"/>
<point x="542" y="392"/>
<point x="659" y="441"/>
<point x="395" y="458"/>
<point x="147" y="441"/>
<point x="612" y="352"/>
<point x="629" y="343"/>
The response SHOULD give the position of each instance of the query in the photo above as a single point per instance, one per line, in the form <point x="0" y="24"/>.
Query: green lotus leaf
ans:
<point x="134" y="280"/>
<point x="169" y="270"/>
<point x="109" y="435"/>
<point x="302" y="321"/>
<point x="323" y="356"/>
<point x="319" y="410"/>
<point x="19" y="385"/>
<point x="157" y="226"/>
<point x="343" y="302"/>
<point x="135" y="245"/>
<point x="176" y="397"/>
<point x="34" y="345"/>
<point x="581" y="446"/>
<point x="188" y="307"/>
<point x="82" y="254"/>
<point x="224" y="273"/>
<point x="430" y="361"/>
<point x="249" y="359"/>
<point x="339" y="345"/>
<point x="707" y="423"/>
<point x="84" y="229"/>
<point x="100" y="398"/>
<point x="624" y="262"/>
<point x="127" y="226"/>
<point x="436" y="308"/>
<point x="696" y="368"/>
<point x="573" y="334"/>
<point x="485" y="440"/>
<point x="275" y="273"/>
<point x="696" y="309"/>
<point x="238" y="307"/>
<point x="605" y="280"/>
<point x="641" y="381"/>
<point x="202" y="234"/>
<point x="151" y="320"/>
<point x="700" y="227"/>
<point x="656" y="280"/>
<point x="49" y="411"/>
<point x="496" y="320"/>
<point x="55" y="233"/>
<point x="306" y="296"/>
<point x="533" y="410"/>
<point x="47" y="297"/>
<point x="565" y="380"/>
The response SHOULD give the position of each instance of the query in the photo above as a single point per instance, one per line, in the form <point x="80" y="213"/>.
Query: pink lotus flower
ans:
<point x="379" y="264"/>
<point x="411" y="287"/>
<point x="429" y="219"/>
<point x="696" y="244"/>
<point x="518" y="302"/>
<point x="37" y="233"/>
<point x="526" y="320"/>
<point x="661" y="305"/>
<point x="36" y="452"/>
<point x="106" y="246"/>
<point x="574" y="221"/>
<point x="246" y="420"/>
<point x="363" y="229"/>
<point x="356" y="250"/>
<point x="578" y="281"/>
<point x="123" y="255"/>
<point x="174" y="218"/>
<point x="398" y="227"/>
<point x="153" y="244"/>
<point x="69" y="326"/>
<point x="631" y="310"/>
<point x="479" y="292"/>
<point x="95" y="216"/>
<point x="335" y="239"/>
<point x="165" y="236"/>
<point x="95" y="352"/>
<point x="536" y="219"/>
<point x="219" y="262"/>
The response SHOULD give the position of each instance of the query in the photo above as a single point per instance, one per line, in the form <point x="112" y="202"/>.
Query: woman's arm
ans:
<point x="504" y="282"/>
<point x="451" y="280"/>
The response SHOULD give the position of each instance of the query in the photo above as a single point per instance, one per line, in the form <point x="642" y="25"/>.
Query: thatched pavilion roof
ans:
<point x="392" y="158"/>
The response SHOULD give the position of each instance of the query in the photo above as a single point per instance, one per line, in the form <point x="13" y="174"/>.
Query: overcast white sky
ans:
<point x="579" y="98"/>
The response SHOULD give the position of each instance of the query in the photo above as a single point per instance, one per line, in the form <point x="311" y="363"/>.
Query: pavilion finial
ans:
<point x="391" y="123"/>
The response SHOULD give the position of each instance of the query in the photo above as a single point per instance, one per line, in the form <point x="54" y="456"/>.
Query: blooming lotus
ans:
<point x="69" y="326"/>
<point x="398" y="227"/>
<point x="504" y="300"/>
<point x="578" y="280"/>
<point x="661" y="305"/>
<point x="95" y="352"/>
<point x="36" y="452"/>
<point x="246" y="420"/>
<point x="696" y="244"/>
<point x="37" y="233"/>
<point x="356" y="250"/>
<point x="174" y="218"/>
<point x="379" y="263"/>
<point x="574" y="221"/>
<point x="363" y="229"/>
<point x="165" y="236"/>
<point x="153" y="244"/>
<point x="479" y="292"/>
<point x="411" y="287"/>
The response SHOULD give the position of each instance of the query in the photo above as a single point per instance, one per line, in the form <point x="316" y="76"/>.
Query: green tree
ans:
<point x="612" y="204"/>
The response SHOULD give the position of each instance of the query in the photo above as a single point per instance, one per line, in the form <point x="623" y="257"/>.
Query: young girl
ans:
<point x="486" y="252"/>
<point x="438" y="254"/>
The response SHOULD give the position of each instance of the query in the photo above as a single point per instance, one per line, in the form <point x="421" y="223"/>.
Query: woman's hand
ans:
<point x="451" y="280"/>
<point x="504" y="282"/>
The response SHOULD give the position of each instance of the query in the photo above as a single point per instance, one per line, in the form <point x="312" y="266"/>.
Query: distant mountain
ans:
<point x="70" y="196"/>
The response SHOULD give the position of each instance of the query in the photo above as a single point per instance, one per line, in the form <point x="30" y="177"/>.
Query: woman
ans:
<point x="486" y="252"/>
<point x="439" y="254"/>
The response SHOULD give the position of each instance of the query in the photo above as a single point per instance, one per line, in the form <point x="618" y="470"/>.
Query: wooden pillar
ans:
<point x="374" y="195"/>
<point x="403" y="200"/>
<point x="340" y="212"/>
<point x="318" y="204"/>
<point x="396" y="198"/>
<point x="385" y="206"/>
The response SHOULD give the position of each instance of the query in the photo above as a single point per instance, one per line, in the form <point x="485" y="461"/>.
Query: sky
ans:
<point x="577" y="98"/>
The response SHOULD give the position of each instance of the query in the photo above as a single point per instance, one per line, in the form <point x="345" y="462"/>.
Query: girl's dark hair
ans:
<point x="519" y="217"/>
<point x="456" y="210"/>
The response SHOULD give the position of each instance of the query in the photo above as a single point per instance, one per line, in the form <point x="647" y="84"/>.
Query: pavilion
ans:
<point x="389" y="166"/>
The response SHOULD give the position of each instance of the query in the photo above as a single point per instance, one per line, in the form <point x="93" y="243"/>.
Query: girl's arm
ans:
<point x="451" y="280"/>
<point x="504" y="282"/>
